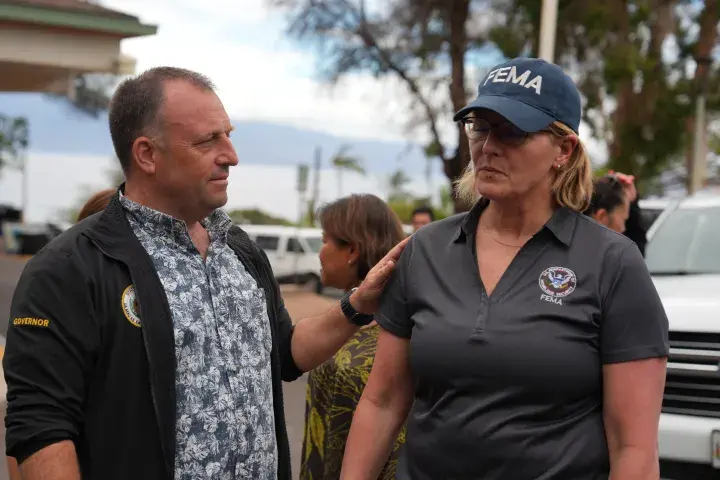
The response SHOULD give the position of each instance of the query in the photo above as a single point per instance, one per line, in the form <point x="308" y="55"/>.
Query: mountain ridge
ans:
<point x="57" y="128"/>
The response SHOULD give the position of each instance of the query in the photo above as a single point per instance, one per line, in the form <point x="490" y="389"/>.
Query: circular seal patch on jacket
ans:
<point x="558" y="281"/>
<point x="130" y="306"/>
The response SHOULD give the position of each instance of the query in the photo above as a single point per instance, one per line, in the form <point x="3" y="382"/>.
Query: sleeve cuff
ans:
<point x="288" y="367"/>
<point x="640" y="353"/>
<point x="25" y="450"/>
<point x="392" y="327"/>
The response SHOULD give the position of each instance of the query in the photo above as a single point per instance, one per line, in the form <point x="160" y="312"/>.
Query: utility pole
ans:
<point x="25" y="186"/>
<point x="548" y="27"/>
<point x="302" y="178"/>
<point x="698" y="170"/>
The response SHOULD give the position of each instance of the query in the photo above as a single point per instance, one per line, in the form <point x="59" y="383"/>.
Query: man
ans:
<point x="421" y="216"/>
<point x="150" y="340"/>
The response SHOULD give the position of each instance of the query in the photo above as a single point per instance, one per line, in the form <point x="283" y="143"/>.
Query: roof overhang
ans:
<point x="97" y="19"/>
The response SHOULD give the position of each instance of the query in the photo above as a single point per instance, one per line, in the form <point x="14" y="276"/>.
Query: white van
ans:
<point x="651" y="208"/>
<point x="683" y="257"/>
<point x="292" y="251"/>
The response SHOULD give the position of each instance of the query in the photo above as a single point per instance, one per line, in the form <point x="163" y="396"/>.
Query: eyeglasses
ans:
<point x="478" y="129"/>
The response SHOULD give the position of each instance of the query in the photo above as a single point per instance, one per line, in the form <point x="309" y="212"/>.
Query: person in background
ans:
<point x="609" y="204"/>
<point x="524" y="340"/>
<point x="357" y="231"/>
<point x="635" y="228"/>
<point x="421" y="216"/>
<point x="96" y="203"/>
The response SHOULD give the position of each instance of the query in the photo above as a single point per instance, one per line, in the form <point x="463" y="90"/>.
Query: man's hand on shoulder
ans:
<point x="366" y="298"/>
<point x="316" y="339"/>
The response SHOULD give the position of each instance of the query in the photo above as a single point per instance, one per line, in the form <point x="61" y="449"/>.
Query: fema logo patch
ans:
<point x="130" y="306"/>
<point x="557" y="283"/>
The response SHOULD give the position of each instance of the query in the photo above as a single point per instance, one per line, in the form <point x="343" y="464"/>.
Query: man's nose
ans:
<point x="229" y="155"/>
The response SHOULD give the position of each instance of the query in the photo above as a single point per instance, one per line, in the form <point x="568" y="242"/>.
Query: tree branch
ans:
<point x="369" y="40"/>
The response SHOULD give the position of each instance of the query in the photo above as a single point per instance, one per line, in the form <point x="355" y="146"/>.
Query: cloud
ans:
<point x="261" y="75"/>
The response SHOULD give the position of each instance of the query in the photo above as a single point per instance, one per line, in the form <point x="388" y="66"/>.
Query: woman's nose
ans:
<point x="491" y="145"/>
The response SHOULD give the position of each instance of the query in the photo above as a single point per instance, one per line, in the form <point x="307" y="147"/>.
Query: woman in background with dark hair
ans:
<point x="610" y="205"/>
<point x="358" y="231"/>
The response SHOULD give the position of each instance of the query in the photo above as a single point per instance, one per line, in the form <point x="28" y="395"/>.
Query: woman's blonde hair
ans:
<point x="573" y="184"/>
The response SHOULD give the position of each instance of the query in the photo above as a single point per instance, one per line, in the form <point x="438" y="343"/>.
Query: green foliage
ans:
<point x="433" y="149"/>
<point x="396" y="186"/>
<point x="614" y="49"/>
<point x="403" y="207"/>
<point x="91" y="93"/>
<point x="255" y="216"/>
<point x="420" y="43"/>
<point x="403" y="202"/>
<point x="14" y="141"/>
<point x="342" y="160"/>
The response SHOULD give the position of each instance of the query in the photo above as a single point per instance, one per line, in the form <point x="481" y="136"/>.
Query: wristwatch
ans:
<point x="353" y="316"/>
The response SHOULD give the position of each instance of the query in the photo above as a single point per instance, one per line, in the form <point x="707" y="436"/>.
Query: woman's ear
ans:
<point x="568" y="144"/>
<point x="601" y="216"/>
<point x="353" y="254"/>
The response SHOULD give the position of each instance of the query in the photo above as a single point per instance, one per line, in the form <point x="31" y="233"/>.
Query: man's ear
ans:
<point x="144" y="154"/>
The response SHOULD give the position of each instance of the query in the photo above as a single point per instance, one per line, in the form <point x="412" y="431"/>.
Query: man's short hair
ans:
<point x="135" y="106"/>
<point x="426" y="210"/>
<point x="608" y="194"/>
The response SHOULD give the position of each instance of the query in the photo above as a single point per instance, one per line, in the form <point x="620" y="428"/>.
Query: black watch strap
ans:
<point x="353" y="316"/>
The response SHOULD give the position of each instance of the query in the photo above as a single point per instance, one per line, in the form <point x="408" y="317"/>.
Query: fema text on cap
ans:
<point x="509" y="74"/>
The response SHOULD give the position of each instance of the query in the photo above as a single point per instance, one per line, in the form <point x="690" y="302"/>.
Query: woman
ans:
<point x="525" y="340"/>
<point x="610" y="205"/>
<point x="96" y="203"/>
<point x="358" y="231"/>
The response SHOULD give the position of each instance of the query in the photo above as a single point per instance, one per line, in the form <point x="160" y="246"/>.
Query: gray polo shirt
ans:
<point x="509" y="386"/>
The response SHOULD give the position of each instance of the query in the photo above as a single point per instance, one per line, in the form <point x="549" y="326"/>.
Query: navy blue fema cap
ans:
<point x="531" y="93"/>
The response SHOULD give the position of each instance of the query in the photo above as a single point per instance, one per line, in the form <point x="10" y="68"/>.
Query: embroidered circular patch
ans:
<point x="558" y="281"/>
<point x="130" y="306"/>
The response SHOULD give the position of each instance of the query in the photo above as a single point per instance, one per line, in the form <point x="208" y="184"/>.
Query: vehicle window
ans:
<point x="686" y="243"/>
<point x="267" y="243"/>
<point x="649" y="215"/>
<point x="315" y="243"/>
<point x="294" y="246"/>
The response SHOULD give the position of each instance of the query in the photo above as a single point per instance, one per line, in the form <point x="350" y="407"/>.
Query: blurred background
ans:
<point x="333" y="97"/>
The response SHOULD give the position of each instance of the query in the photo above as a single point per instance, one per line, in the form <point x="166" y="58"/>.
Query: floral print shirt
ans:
<point x="225" y="426"/>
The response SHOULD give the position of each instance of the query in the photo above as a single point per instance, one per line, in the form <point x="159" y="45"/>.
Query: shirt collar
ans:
<point x="217" y="223"/>
<point x="561" y="224"/>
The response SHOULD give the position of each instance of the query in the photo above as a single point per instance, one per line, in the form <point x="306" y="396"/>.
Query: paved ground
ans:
<point x="299" y="303"/>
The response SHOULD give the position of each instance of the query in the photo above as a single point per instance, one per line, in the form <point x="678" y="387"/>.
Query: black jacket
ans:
<point x="635" y="228"/>
<point x="77" y="369"/>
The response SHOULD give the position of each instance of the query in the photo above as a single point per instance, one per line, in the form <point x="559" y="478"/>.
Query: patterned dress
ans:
<point x="333" y="392"/>
<point x="225" y="424"/>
